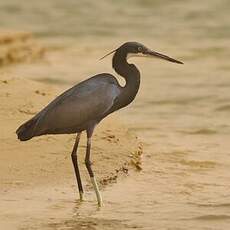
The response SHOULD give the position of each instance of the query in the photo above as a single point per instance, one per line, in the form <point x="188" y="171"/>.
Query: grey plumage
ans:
<point x="83" y="106"/>
<point x="75" y="109"/>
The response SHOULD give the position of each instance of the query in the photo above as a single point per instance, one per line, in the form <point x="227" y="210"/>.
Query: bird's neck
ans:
<point x="131" y="75"/>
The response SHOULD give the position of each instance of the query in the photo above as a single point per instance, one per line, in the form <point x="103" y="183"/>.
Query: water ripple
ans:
<point x="217" y="205"/>
<point x="223" y="108"/>
<point x="212" y="217"/>
<point x="202" y="131"/>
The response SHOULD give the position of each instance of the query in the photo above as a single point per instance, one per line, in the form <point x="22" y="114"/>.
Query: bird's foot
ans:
<point x="96" y="189"/>
<point x="100" y="204"/>
<point x="81" y="196"/>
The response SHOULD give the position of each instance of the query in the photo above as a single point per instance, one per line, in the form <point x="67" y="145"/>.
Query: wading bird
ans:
<point x="83" y="106"/>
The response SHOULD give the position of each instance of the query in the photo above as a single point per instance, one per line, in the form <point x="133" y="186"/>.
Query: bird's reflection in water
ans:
<point x="84" y="217"/>
<point x="91" y="223"/>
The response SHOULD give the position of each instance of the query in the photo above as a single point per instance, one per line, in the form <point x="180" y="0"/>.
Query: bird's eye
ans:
<point x="139" y="49"/>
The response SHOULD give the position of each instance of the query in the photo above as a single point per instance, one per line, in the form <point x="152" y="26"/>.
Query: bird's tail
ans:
<point x="26" y="130"/>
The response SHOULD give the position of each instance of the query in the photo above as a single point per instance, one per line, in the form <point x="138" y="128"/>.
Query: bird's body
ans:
<point x="83" y="106"/>
<point x="76" y="109"/>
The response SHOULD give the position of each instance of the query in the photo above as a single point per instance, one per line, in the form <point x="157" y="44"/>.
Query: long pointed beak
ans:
<point x="151" y="53"/>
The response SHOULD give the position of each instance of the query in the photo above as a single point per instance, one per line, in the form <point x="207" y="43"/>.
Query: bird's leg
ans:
<point x="75" y="164"/>
<point x="90" y="171"/>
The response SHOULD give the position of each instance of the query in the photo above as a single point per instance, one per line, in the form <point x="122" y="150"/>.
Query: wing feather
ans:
<point x="81" y="104"/>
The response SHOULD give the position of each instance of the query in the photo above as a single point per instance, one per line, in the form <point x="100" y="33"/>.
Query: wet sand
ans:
<point x="37" y="177"/>
<point x="182" y="120"/>
<point x="181" y="113"/>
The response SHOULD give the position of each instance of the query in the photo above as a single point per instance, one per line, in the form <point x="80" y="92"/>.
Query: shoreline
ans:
<point x="38" y="174"/>
<point x="38" y="170"/>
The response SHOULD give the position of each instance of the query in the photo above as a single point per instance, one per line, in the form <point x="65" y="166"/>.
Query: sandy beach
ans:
<point x="180" y="115"/>
<point x="43" y="165"/>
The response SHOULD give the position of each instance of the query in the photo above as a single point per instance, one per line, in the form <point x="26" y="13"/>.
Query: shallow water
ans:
<point x="181" y="112"/>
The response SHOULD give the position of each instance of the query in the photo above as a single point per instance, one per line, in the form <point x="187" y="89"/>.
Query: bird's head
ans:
<point x="131" y="49"/>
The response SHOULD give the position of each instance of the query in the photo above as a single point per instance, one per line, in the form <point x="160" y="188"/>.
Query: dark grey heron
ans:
<point x="83" y="106"/>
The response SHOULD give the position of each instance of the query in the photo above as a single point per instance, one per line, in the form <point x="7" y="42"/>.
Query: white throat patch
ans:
<point x="130" y="55"/>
